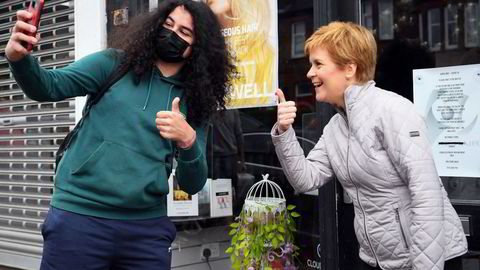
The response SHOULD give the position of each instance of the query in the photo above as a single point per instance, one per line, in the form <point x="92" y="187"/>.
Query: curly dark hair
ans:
<point x="209" y="70"/>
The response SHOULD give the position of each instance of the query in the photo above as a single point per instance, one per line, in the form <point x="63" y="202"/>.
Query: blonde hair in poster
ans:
<point x="246" y="25"/>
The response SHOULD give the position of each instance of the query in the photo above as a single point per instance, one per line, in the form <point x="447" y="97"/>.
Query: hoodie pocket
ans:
<point x="400" y="218"/>
<point x="116" y="175"/>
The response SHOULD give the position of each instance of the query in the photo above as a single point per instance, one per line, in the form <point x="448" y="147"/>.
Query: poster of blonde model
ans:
<point x="250" y="29"/>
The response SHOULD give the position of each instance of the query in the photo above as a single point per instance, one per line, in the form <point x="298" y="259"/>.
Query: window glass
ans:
<point x="298" y="39"/>
<point x="434" y="30"/>
<point x="472" y="25"/>
<point x="427" y="34"/>
<point x="451" y="27"/>
<point x="385" y="14"/>
<point x="367" y="19"/>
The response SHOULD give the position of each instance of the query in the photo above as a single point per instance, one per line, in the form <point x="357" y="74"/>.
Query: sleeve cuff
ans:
<point x="275" y="135"/>
<point x="190" y="154"/>
<point x="20" y="65"/>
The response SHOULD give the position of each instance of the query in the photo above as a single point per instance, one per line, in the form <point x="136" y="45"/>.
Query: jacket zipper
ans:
<point x="358" y="195"/>
<point x="397" y="215"/>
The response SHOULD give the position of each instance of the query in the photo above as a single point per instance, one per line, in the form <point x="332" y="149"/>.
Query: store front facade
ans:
<point x="441" y="33"/>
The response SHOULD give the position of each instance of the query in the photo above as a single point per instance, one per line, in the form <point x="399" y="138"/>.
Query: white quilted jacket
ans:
<point x="380" y="153"/>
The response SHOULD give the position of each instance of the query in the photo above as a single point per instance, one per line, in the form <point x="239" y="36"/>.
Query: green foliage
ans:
<point x="256" y="234"/>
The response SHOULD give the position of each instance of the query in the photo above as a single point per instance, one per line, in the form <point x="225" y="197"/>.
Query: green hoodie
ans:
<point x="117" y="166"/>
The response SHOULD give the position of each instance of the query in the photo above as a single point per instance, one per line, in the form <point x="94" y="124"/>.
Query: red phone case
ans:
<point x="35" y="20"/>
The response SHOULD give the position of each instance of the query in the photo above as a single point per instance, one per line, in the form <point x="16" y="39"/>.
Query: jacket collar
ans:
<point x="354" y="92"/>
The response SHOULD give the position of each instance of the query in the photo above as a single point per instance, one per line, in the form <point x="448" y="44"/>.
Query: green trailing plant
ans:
<point x="264" y="239"/>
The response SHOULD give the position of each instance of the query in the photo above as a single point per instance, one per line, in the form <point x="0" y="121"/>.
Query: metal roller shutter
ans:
<point x="30" y="133"/>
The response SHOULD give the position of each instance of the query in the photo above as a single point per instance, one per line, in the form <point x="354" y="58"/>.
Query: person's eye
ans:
<point x="186" y="33"/>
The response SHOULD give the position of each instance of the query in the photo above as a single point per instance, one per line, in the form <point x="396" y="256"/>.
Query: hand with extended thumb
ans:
<point x="176" y="107"/>
<point x="173" y="125"/>
<point x="286" y="112"/>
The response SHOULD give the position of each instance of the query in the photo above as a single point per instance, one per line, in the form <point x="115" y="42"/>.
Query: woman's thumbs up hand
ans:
<point x="286" y="112"/>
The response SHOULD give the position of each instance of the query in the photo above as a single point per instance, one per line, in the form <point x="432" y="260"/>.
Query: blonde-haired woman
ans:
<point x="246" y="26"/>
<point x="377" y="148"/>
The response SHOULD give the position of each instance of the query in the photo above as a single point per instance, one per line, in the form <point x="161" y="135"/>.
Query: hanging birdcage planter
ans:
<point x="262" y="235"/>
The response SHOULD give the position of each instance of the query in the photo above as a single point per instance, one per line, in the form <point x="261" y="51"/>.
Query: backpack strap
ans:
<point x="112" y="79"/>
<point x="91" y="100"/>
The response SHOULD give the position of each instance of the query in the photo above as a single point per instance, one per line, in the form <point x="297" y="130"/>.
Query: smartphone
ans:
<point x="35" y="20"/>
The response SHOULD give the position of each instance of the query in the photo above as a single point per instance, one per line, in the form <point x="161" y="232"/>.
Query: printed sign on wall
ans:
<point x="448" y="98"/>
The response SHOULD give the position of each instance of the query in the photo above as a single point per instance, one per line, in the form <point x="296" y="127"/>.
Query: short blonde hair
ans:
<point x="347" y="43"/>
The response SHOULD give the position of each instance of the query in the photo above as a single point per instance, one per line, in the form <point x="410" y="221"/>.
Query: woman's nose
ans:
<point x="310" y="73"/>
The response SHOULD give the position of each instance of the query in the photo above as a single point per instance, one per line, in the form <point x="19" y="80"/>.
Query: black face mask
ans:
<point x="170" y="47"/>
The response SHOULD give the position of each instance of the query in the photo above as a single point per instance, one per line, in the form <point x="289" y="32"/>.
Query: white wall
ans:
<point x="90" y="35"/>
<point x="152" y="4"/>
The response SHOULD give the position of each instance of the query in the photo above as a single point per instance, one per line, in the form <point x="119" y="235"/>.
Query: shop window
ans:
<point x="434" y="33"/>
<point x="420" y="29"/>
<point x="298" y="39"/>
<point x="367" y="16"/>
<point x="385" y="10"/>
<point x="472" y="25"/>
<point x="303" y="89"/>
<point x="451" y="27"/>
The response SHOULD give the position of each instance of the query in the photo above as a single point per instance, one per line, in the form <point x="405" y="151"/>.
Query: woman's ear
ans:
<point x="350" y="70"/>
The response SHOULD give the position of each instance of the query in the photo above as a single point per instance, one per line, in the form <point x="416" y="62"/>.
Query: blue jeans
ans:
<point x="73" y="241"/>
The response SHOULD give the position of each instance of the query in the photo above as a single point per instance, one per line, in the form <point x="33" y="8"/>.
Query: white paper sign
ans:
<point x="221" y="198"/>
<point x="449" y="99"/>
<point x="180" y="203"/>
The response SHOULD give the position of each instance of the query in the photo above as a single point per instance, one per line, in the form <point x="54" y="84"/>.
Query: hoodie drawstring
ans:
<point x="149" y="90"/>
<point x="169" y="96"/>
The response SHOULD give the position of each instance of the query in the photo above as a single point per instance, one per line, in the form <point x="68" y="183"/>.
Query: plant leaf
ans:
<point x="275" y="242"/>
<point x="280" y="237"/>
<point x="229" y="250"/>
<point x="281" y="229"/>
<point x="234" y="225"/>
<point x="295" y="214"/>
<point x="232" y="232"/>
<point x="290" y="207"/>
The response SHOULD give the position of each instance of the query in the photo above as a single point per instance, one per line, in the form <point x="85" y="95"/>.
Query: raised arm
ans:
<point x="303" y="173"/>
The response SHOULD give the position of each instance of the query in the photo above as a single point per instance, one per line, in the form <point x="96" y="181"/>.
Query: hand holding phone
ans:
<point x="24" y="32"/>
<point x="35" y="20"/>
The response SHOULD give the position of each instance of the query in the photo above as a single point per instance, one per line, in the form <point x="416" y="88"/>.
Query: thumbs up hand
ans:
<point x="172" y="125"/>
<point x="286" y="112"/>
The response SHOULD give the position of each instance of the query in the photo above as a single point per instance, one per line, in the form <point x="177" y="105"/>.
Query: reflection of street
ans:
<point x="225" y="151"/>
<point x="462" y="189"/>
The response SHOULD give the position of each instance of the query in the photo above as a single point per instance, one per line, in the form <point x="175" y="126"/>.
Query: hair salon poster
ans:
<point x="449" y="99"/>
<point x="250" y="29"/>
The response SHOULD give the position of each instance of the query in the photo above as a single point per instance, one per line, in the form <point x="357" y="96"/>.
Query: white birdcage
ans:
<point x="264" y="197"/>
<point x="265" y="218"/>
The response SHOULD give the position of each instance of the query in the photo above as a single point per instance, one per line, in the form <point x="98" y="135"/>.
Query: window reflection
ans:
<point x="426" y="34"/>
